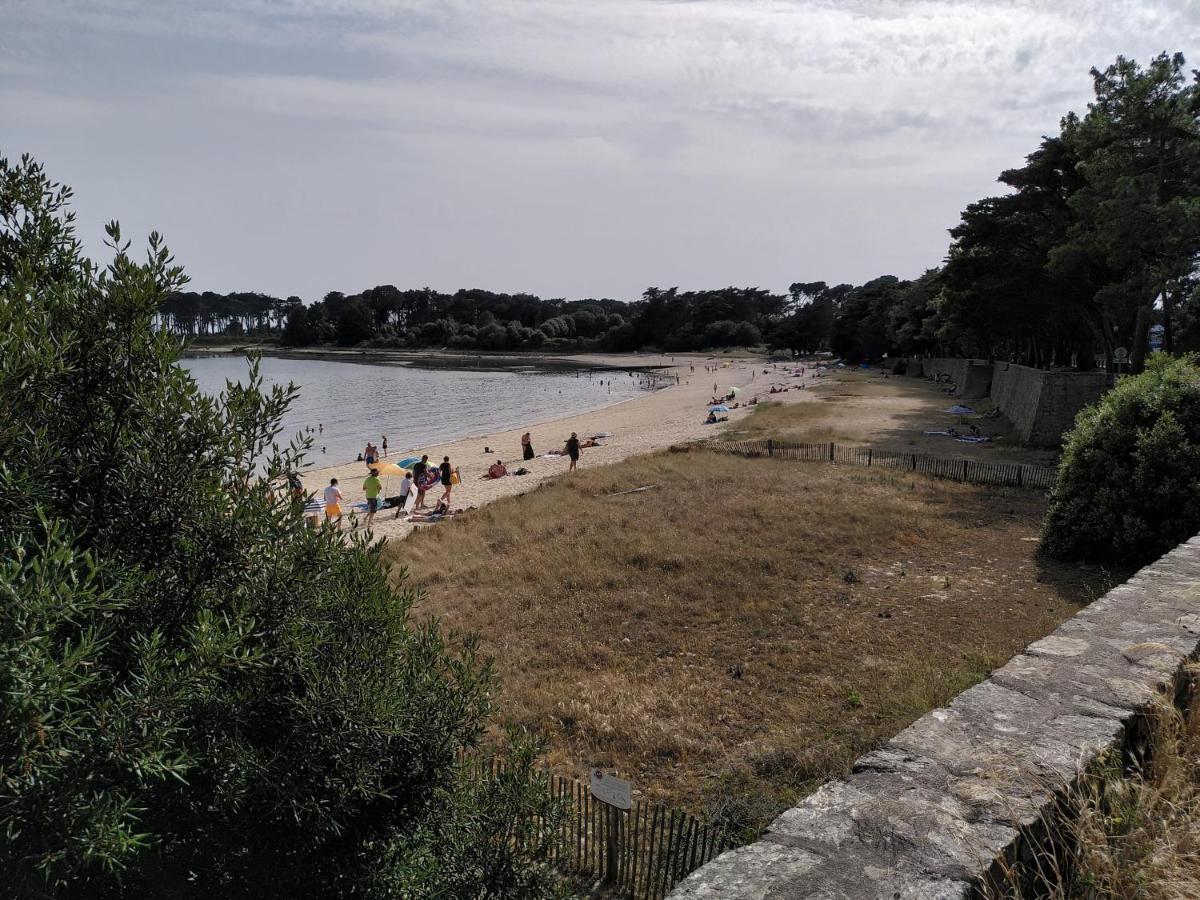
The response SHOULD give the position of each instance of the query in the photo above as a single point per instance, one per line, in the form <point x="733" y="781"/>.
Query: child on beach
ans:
<point x="405" y="490"/>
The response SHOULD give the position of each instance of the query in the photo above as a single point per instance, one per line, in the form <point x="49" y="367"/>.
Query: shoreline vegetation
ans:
<point x="450" y="359"/>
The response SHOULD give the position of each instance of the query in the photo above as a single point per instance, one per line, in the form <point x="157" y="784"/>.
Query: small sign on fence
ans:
<point x="611" y="790"/>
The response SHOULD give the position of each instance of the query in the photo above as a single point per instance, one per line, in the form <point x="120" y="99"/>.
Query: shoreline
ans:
<point x="451" y="359"/>
<point x="638" y="425"/>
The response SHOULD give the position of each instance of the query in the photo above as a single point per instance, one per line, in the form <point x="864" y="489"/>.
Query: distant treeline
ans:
<point x="1097" y="242"/>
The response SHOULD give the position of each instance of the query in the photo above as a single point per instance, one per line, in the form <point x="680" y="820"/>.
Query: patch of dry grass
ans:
<point x="744" y="628"/>
<point x="888" y="413"/>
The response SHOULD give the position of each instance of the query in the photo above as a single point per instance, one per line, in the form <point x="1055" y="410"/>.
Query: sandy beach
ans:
<point x="645" y="424"/>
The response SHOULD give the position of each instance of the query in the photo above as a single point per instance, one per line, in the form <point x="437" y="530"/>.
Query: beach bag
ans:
<point x="454" y="477"/>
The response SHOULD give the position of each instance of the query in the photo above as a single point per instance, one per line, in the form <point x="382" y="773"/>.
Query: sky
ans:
<point x="568" y="148"/>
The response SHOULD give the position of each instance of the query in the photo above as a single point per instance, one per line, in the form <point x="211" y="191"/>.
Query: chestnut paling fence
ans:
<point x="639" y="853"/>
<point x="974" y="471"/>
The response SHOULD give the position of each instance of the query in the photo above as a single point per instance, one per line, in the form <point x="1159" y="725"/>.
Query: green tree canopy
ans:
<point x="1129" y="481"/>
<point x="200" y="695"/>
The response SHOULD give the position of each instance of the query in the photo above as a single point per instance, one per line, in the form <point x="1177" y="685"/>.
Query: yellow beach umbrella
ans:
<point x="387" y="469"/>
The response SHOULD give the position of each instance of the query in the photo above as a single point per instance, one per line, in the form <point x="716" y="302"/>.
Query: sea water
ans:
<point x="418" y="407"/>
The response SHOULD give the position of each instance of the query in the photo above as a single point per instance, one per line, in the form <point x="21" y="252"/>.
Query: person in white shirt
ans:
<point x="405" y="490"/>
<point x="333" y="503"/>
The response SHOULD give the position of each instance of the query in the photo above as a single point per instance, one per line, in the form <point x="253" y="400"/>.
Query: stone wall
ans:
<point x="934" y="813"/>
<point x="971" y="377"/>
<point x="977" y="380"/>
<point x="1041" y="404"/>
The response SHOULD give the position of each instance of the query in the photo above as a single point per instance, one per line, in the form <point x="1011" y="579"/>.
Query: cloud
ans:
<point x="608" y="114"/>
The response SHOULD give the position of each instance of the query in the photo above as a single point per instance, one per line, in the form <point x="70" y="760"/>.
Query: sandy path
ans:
<point x="644" y="424"/>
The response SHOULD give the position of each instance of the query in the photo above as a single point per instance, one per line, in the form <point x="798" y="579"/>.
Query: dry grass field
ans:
<point x="889" y="413"/>
<point x="743" y="628"/>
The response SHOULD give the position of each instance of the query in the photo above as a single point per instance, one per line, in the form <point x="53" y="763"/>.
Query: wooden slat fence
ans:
<point x="973" y="471"/>
<point x="639" y="854"/>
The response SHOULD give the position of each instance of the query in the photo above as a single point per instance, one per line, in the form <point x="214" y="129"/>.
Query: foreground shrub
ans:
<point x="199" y="694"/>
<point x="1129" y="481"/>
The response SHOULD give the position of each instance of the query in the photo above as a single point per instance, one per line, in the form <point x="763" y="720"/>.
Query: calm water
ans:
<point x="416" y="408"/>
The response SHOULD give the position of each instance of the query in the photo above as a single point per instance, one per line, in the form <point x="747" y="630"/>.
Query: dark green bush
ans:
<point x="199" y="694"/>
<point x="1129" y="481"/>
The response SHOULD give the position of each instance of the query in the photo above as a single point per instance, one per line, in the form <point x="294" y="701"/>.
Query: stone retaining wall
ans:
<point x="1041" y="404"/>
<point x="972" y="377"/>
<point x="932" y="814"/>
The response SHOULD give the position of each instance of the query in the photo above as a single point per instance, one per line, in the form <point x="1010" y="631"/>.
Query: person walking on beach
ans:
<point x="333" y="503"/>
<point x="526" y="446"/>
<point x="369" y="454"/>
<point x="447" y="479"/>
<point x="572" y="450"/>
<point x="420" y="472"/>
<point x="385" y="446"/>
<point x="372" y="487"/>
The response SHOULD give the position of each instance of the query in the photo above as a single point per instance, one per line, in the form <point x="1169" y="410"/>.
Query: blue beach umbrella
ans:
<point x="720" y="407"/>
<point x="408" y="461"/>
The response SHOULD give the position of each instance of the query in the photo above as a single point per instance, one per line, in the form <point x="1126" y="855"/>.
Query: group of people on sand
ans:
<point x="421" y="477"/>
<point x="371" y="454"/>
<point x="424" y="475"/>
<point x="572" y="449"/>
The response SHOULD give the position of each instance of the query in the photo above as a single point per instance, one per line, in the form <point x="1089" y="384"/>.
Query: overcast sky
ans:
<point x="564" y="147"/>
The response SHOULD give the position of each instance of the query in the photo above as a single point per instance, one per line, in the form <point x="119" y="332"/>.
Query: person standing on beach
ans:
<point x="385" y="446"/>
<point x="447" y="479"/>
<point x="333" y="503"/>
<point x="405" y="490"/>
<point x="526" y="446"/>
<point x="420" y="470"/>
<point x="572" y="450"/>
<point x="372" y="487"/>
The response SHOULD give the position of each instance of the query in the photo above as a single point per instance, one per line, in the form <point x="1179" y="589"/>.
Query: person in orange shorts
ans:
<point x="333" y="503"/>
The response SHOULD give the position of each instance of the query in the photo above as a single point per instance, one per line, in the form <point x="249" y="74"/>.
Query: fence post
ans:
<point x="610" y="848"/>
<point x="770" y="447"/>
<point x="868" y="456"/>
<point x="964" y="478"/>
<point x="914" y="462"/>
<point x="831" y="451"/>
<point x="1019" y="484"/>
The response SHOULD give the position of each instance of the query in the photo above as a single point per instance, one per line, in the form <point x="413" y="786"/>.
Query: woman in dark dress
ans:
<point x="527" y="444"/>
<point x="447" y="474"/>
<point x="572" y="450"/>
